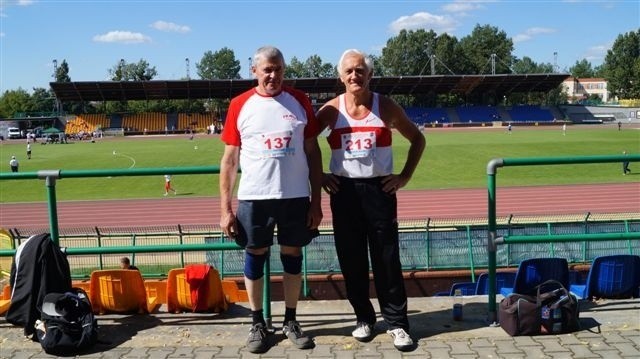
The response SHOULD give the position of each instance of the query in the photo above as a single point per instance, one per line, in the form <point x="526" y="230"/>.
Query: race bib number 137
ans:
<point x="277" y="144"/>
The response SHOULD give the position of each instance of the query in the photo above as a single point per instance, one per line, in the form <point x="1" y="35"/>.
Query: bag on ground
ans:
<point x="551" y="312"/>
<point x="67" y="326"/>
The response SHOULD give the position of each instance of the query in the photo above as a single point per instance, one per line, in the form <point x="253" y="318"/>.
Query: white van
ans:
<point x="14" y="132"/>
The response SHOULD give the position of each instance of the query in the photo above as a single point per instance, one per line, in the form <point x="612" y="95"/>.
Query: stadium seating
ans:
<point x="195" y="288"/>
<point x="5" y="299"/>
<point x="477" y="113"/>
<point x="424" y="115"/>
<point x="503" y="279"/>
<point x="120" y="291"/>
<point x="534" y="271"/>
<point x="613" y="276"/>
<point x="467" y="288"/>
<point x="530" y="113"/>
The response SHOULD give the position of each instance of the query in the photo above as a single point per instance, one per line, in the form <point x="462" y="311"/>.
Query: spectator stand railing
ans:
<point x="493" y="240"/>
<point x="52" y="176"/>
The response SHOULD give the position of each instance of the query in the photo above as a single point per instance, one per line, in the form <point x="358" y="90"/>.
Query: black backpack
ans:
<point x="68" y="325"/>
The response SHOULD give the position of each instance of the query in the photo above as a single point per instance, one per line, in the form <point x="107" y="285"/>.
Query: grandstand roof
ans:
<point x="399" y="85"/>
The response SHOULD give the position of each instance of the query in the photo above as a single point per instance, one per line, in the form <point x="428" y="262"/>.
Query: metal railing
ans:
<point x="492" y="238"/>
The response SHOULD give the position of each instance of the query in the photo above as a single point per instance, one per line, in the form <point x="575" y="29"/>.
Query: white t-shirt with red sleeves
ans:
<point x="360" y="147"/>
<point x="270" y="131"/>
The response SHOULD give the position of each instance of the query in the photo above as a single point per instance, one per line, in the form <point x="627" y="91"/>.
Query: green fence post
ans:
<point x="50" y="177"/>
<point x="492" y="168"/>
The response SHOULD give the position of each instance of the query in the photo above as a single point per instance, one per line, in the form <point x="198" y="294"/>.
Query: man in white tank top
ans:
<point x="363" y="195"/>
<point x="271" y="134"/>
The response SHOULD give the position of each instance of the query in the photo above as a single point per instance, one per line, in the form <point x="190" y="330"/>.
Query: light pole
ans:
<point x="186" y="60"/>
<point x="55" y="69"/>
<point x="249" y="67"/>
<point x="121" y="77"/>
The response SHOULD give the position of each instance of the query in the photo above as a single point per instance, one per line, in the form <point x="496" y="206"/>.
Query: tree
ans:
<point x="42" y="100"/>
<point x="316" y="68"/>
<point x="479" y="49"/>
<point x="294" y="69"/>
<point x="62" y="72"/>
<point x="14" y="101"/>
<point x="408" y="53"/>
<point x="622" y="66"/>
<point x="140" y="71"/>
<point x="582" y="69"/>
<point x="221" y="64"/>
<point x="312" y="67"/>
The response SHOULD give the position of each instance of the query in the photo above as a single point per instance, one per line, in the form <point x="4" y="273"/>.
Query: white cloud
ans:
<point x="531" y="32"/>
<point x="1" y="34"/>
<point x="424" y="20"/>
<point x="461" y="7"/>
<point x="170" y="27"/>
<point x="597" y="52"/>
<point x="125" y="37"/>
<point x="25" y="2"/>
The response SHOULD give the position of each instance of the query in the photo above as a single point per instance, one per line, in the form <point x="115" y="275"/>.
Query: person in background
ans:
<point x="625" y="165"/>
<point x="28" y="151"/>
<point x="125" y="263"/>
<point x="167" y="185"/>
<point x="13" y="163"/>
<point x="271" y="134"/>
<point x="363" y="190"/>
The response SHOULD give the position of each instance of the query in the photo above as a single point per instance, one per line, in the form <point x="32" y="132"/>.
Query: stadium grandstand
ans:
<point x="465" y="86"/>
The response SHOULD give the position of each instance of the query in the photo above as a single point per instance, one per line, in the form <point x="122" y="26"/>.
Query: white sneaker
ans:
<point x="401" y="340"/>
<point x="363" y="332"/>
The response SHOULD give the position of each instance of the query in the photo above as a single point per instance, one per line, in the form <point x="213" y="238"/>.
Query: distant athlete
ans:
<point x="167" y="185"/>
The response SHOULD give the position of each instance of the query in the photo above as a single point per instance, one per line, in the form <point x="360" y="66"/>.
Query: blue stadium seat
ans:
<point x="534" y="271"/>
<point x="467" y="288"/>
<point x="503" y="279"/>
<point x="614" y="276"/>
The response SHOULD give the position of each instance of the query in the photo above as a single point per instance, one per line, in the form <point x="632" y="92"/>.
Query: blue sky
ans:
<point x="92" y="36"/>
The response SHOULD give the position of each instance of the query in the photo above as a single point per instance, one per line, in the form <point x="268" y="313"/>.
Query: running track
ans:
<point x="434" y="204"/>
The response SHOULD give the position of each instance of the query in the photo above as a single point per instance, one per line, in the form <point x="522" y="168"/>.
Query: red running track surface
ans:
<point x="435" y="204"/>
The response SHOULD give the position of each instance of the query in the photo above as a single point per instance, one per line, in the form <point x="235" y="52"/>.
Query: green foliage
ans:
<point x="221" y="64"/>
<point x="622" y="66"/>
<point x="140" y="71"/>
<point x="582" y="69"/>
<point x="452" y="159"/>
<point x="14" y="101"/>
<point x="311" y="68"/>
<point x="481" y="44"/>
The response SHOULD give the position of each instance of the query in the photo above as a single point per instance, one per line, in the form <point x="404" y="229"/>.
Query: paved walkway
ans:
<point x="610" y="329"/>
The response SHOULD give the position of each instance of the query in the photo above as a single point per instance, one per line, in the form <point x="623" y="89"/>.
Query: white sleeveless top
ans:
<point x="360" y="147"/>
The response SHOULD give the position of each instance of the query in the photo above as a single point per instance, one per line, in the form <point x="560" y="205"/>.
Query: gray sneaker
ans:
<point x="300" y="340"/>
<point x="257" y="340"/>
<point x="401" y="339"/>
<point x="363" y="332"/>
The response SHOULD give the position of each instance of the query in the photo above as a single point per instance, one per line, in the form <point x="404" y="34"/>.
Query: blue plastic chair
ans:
<point x="535" y="271"/>
<point x="614" y="276"/>
<point x="467" y="288"/>
<point x="503" y="279"/>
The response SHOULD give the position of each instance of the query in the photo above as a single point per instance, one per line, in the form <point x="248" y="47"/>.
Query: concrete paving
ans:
<point x="610" y="329"/>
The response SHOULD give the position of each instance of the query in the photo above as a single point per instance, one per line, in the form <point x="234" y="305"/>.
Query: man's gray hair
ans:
<point x="268" y="53"/>
<point x="367" y="60"/>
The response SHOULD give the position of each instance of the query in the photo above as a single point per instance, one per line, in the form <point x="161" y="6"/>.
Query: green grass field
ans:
<point x="453" y="159"/>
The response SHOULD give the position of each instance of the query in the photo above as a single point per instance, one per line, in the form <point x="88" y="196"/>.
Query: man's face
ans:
<point x="270" y="74"/>
<point x="354" y="73"/>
